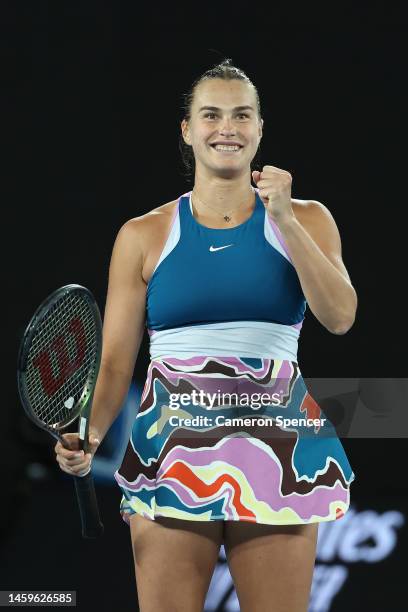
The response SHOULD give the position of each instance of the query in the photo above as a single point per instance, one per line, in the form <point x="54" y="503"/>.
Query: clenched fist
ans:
<point x="275" y="186"/>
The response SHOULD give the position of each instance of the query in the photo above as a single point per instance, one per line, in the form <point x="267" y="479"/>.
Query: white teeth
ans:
<point x="226" y="147"/>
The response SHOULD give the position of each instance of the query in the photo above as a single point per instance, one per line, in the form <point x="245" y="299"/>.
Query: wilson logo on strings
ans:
<point x="42" y="361"/>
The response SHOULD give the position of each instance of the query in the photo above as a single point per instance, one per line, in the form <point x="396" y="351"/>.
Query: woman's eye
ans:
<point x="239" y="115"/>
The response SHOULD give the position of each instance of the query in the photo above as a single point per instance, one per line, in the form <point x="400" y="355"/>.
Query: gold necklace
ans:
<point x="226" y="217"/>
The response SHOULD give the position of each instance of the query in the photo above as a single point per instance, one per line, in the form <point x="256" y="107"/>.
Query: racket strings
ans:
<point x="61" y="361"/>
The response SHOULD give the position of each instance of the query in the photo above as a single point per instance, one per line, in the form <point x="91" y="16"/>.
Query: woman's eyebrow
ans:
<point x="215" y="108"/>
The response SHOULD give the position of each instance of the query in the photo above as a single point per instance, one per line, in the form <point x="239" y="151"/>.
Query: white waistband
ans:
<point x="237" y="338"/>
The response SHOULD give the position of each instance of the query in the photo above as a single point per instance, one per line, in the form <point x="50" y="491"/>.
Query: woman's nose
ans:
<point x="226" y="127"/>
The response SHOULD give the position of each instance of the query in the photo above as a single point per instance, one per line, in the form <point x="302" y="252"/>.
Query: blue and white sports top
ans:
<point x="226" y="292"/>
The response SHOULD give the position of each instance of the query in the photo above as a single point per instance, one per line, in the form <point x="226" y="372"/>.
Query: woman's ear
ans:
<point x="185" y="132"/>
<point x="260" y="129"/>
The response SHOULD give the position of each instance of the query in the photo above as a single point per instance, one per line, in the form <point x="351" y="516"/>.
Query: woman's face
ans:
<point x="224" y="129"/>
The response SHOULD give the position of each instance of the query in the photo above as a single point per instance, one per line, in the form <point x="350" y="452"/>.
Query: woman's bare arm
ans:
<point x="314" y="245"/>
<point x="123" y="327"/>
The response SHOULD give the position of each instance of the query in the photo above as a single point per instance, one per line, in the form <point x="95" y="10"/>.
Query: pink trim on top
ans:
<point x="151" y="331"/>
<point x="278" y="235"/>
<point x="298" y="325"/>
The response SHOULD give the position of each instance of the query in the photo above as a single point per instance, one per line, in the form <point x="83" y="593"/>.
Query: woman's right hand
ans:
<point x="74" y="461"/>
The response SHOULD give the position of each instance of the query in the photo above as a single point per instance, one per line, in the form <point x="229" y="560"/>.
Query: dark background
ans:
<point x="91" y="96"/>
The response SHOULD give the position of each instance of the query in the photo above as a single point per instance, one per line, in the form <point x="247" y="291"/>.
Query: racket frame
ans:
<point x="91" y="524"/>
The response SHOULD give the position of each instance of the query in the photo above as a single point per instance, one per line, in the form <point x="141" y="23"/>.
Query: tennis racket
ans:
<point x="58" y="364"/>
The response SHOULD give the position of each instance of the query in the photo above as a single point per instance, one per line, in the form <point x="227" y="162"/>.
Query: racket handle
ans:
<point x="88" y="506"/>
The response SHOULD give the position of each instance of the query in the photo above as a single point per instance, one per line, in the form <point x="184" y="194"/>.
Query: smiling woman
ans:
<point x="244" y="113"/>
<point x="220" y="133"/>
<point x="221" y="277"/>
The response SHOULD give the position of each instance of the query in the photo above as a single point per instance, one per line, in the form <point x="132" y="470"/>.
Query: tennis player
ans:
<point x="221" y="277"/>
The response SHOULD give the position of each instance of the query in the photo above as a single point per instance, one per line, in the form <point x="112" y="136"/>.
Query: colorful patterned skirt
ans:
<point x="204" y="446"/>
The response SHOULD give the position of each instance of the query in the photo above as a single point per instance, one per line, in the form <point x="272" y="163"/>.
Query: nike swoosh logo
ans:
<point x="212" y="249"/>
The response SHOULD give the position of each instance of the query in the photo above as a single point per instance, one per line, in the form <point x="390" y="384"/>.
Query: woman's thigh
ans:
<point x="174" y="562"/>
<point x="271" y="565"/>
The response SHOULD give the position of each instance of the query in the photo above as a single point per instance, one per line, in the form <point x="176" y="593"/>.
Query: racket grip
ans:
<point x="88" y="506"/>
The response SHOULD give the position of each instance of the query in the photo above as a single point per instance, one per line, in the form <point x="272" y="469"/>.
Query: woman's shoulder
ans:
<point x="150" y="230"/>
<point x="302" y="207"/>
<point x="153" y="220"/>
<point x="307" y="211"/>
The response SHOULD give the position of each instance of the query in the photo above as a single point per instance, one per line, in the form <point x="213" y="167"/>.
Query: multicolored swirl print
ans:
<point x="213" y="470"/>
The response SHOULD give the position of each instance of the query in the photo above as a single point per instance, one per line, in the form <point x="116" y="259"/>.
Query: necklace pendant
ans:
<point x="227" y="218"/>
